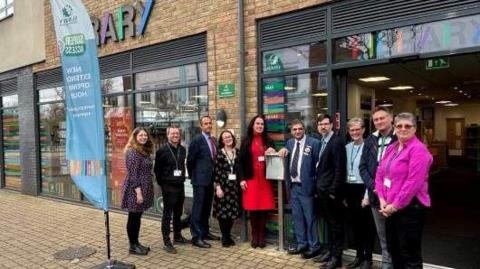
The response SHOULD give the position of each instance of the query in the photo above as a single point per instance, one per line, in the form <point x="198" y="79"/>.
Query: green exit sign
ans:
<point x="226" y="90"/>
<point x="437" y="63"/>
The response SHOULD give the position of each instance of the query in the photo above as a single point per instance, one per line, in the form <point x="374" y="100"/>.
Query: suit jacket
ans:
<point x="331" y="169"/>
<point x="307" y="166"/>
<point x="200" y="164"/>
<point x="369" y="164"/>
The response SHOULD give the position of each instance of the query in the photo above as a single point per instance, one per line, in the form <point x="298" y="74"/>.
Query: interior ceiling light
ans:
<point x="374" y="79"/>
<point x="460" y="91"/>
<point x="451" y="104"/>
<point x="455" y="88"/>
<point x="401" y="88"/>
<point x="386" y="105"/>
<point x="442" y="102"/>
<point x="320" y="94"/>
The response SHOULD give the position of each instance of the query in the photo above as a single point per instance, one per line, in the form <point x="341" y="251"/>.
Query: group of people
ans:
<point x="380" y="182"/>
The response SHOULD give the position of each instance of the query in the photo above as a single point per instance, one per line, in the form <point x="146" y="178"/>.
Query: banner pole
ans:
<point x="107" y="235"/>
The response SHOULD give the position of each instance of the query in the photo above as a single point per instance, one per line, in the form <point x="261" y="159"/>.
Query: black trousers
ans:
<point x="133" y="226"/>
<point x="201" y="208"/>
<point x="404" y="236"/>
<point x="332" y="211"/>
<point x="362" y="222"/>
<point x="225" y="228"/>
<point x="173" y="197"/>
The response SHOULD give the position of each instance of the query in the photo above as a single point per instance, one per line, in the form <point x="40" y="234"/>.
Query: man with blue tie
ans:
<point x="301" y="157"/>
<point x="202" y="153"/>
<point x="331" y="180"/>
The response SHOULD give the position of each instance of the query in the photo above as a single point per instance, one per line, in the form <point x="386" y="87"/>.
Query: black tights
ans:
<point x="258" y="221"/>
<point x="133" y="226"/>
<point x="226" y="228"/>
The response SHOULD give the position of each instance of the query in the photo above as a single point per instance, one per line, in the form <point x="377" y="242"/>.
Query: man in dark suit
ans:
<point x="170" y="174"/>
<point x="331" y="178"/>
<point x="202" y="153"/>
<point x="301" y="157"/>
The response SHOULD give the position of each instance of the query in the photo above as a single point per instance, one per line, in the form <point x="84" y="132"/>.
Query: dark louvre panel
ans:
<point x="8" y="87"/>
<point x="356" y="15"/>
<point x="306" y="25"/>
<point x="179" y="51"/>
<point x="114" y="64"/>
<point x="49" y="78"/>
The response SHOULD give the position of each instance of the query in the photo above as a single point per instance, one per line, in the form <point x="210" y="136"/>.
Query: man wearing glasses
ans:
<point x="373" y="152"/>
<point x="330" y="181"/>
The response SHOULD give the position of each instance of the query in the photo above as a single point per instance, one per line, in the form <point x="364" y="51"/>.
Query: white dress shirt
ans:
<point x="300" y="157"/>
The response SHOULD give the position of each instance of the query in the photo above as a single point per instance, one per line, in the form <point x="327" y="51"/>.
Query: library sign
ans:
<point x="121" y="24"/>
<point x="447" y="35"/>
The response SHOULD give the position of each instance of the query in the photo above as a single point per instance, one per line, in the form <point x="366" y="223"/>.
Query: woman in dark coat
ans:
<point x="138" y="185"/>
<point x="257" y="190"/>
<point x="226" y="206"/>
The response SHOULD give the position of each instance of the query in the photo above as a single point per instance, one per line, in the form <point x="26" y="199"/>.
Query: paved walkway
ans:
<point x="33" y="229"/>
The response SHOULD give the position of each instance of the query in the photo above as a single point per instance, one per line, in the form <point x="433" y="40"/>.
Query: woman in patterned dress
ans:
<point x="226" y="206"/>
<point x="138" y="185"/>
<point x="258" y="196"/>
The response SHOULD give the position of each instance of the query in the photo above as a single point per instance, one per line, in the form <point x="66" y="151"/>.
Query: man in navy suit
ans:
<point x="202" y="153"/>
<point x="301" y="157"/>
<point x="331" y="180"/>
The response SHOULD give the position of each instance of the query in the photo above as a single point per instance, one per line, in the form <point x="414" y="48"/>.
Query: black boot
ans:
<point x="168" y="247"/>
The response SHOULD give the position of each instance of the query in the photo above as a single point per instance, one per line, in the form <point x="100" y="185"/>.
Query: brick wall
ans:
<point x="172" y="19"/>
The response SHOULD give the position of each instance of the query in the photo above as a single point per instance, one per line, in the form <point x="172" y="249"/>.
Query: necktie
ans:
<point x="322" y="147"/>
<point x="214" y="147"/>
<point x="296" y="155"/>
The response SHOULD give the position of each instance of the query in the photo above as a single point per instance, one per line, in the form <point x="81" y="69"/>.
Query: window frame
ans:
<point x="4" y="11"/>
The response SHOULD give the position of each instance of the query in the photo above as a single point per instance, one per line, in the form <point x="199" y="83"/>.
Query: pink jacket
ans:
<point x="407" y="172"/>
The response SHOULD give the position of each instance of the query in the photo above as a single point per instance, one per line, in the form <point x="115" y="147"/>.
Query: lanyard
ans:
<point x="354" y="157"/>
<point x="231" y="162"/>
<point x="174" y="157"/>
<point x="382" y="148"/>
<point x="389" y="162"/>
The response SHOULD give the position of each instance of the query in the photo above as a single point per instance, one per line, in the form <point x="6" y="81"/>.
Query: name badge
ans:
<point x="232" y="177"/>
<point x="261" y="158"/>
<point x="177" y="173"/>
<point x="352" y="178"/>
<point x="387" y="183"/>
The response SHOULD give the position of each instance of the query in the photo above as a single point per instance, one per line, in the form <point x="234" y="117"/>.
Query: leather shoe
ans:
<point x="311" y="253"/>
<point x="136" y="250"/>
<point x="146" y="248"/>
<point x="180" y="239"/>
<point x="297" y="250"/>
<point x="230" y="241"/>
<point x="355" y="263"/>
<point x="254" y="243"/>
<point x="169" y="248"/>
<point x="201" y="244"/>
<point x="210" y="236"/>
<point x="333" y="263"/>
<point x="322" y="258"/>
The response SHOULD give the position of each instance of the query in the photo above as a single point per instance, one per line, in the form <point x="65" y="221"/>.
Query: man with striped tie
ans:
<point x="301" y="156"/>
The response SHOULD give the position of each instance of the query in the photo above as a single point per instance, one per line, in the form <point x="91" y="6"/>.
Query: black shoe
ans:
<point x="333" y="263"/>
<point x="136" y="250"/>
<point x="355" y="263"/>
<point x="311" y="253"/>
<point x="367" y="265"/>
<point x="146" y="248"/>
<point x="322" y="258"/>
<point x="180" y="239"/>
<point x="297" y="250"/>
<point x="210" y="236"/>
<point x="231" y="242"/>
<point x="169" y="248"/>
<point x="201" y="244"/>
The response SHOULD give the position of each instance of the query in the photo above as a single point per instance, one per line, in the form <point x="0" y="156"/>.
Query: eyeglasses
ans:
<point x="404" y="126"/>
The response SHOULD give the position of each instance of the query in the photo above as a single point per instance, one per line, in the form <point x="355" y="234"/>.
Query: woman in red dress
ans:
<point x="257" y="190"/>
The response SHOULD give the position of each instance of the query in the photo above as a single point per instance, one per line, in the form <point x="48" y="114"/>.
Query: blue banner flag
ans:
<point x="85" y="129"/>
